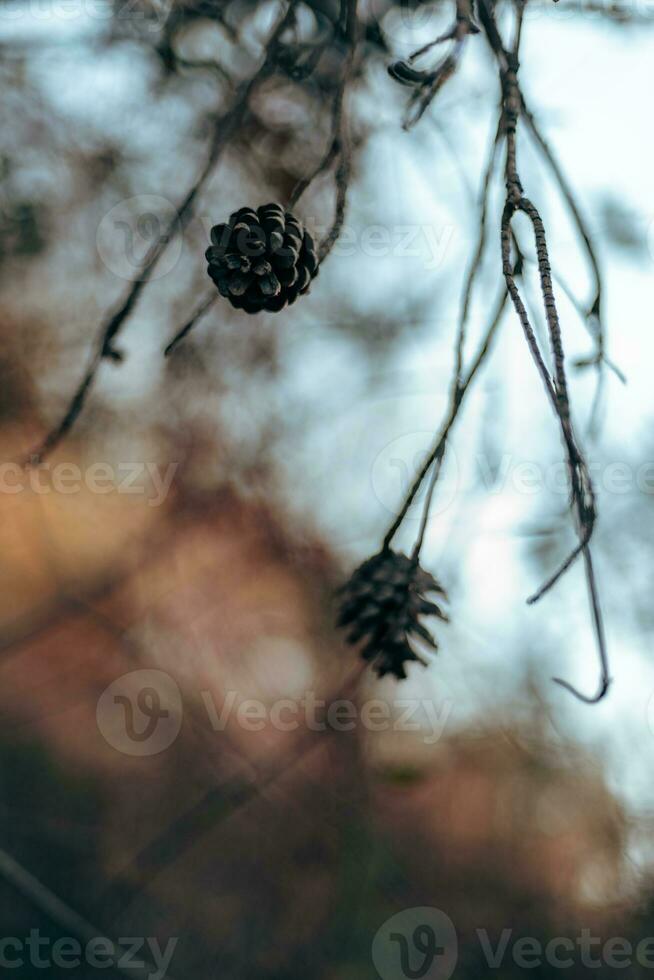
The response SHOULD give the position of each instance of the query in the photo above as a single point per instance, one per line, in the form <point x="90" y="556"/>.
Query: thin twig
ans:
<point x="458" y="395"/>
<point x="325" y="163"/>
<point x="195" y="317"/>
<point x="596" y="609"/>
<point x="340" y="140"/>
<point x="475" y="263"/>
<point x="335" y="142"/>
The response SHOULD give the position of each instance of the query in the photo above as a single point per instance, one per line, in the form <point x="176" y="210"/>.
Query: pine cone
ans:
<point x="382" y="605"/>
<point x="261" y="260"/>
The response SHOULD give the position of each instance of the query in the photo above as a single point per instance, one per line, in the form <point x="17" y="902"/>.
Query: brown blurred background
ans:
<point x="181" y="548"/>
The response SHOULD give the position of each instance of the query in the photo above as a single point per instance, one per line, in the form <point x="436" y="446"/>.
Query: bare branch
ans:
<point x="556" y="386"/>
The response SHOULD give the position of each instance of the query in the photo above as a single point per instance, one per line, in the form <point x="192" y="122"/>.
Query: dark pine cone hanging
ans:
<point x="263" y="259"/>
<point x="382" y="605"/>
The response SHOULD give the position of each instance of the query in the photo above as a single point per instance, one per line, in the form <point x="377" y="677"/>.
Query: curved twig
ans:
<point x="605" y="679"/>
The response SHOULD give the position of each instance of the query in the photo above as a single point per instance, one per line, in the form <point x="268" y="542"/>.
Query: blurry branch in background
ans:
<point x="340" y="145"/>
<point x="70" y="921"/>
<point x="619" y="13"/>
<point x="224" y="129"/>
<point x="219" y="803"/>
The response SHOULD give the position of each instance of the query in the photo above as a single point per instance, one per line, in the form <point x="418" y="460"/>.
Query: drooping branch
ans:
<point x="224" y="129"/>
<point x="556" y="387"/>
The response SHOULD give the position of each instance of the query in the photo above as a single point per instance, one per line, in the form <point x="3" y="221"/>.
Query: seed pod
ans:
<point x="263" y="259"/>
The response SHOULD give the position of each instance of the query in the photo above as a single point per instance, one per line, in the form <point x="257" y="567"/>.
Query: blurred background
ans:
<point x="170" y="763"/>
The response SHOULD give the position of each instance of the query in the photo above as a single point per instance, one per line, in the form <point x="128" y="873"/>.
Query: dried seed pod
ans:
<point x="381" y="607"/>
<point x="263" y="259"/>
